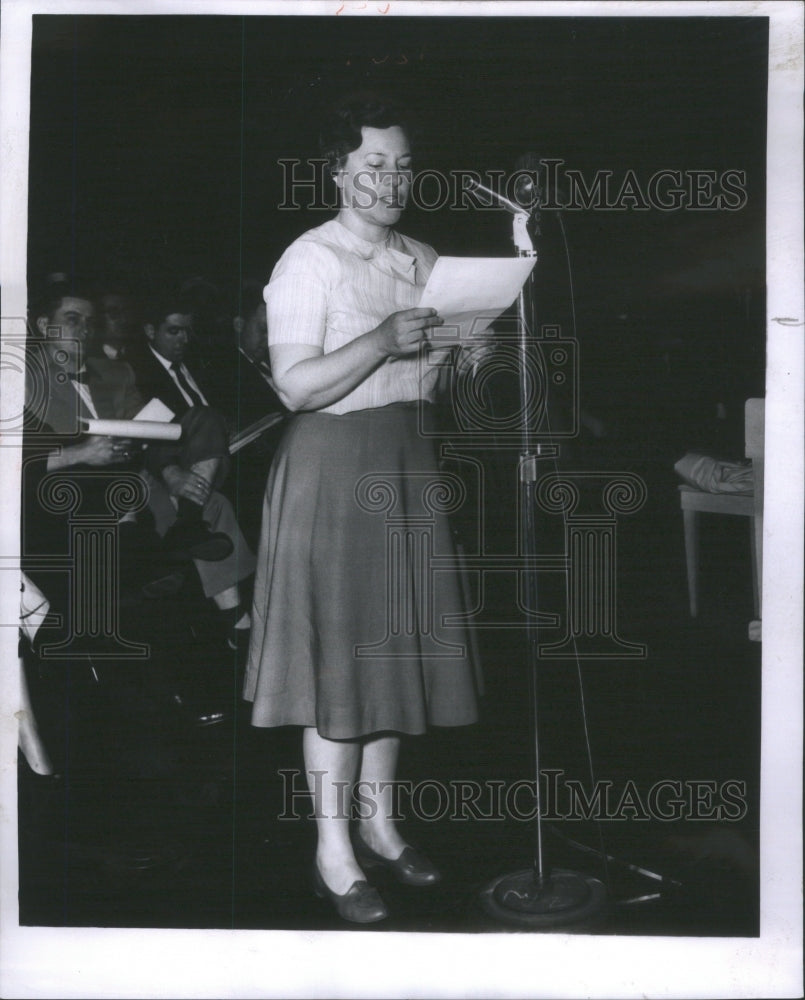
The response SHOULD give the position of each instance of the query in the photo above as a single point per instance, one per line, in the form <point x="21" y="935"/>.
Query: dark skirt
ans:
<point x="356" y="582"/>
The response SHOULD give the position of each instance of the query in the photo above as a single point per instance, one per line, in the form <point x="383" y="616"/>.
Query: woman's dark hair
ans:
<point x="341" y="130"/>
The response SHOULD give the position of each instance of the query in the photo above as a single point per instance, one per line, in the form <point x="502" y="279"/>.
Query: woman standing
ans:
<point x="343" y="642"/>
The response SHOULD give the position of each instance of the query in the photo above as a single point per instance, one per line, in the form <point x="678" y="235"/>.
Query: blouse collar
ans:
<point x="382" y="255"/>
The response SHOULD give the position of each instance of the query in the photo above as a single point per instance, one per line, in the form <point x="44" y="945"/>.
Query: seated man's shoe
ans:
<point x="360" y="904"/>
<point x="186" y="539"/>
<point x="410" y="868"/>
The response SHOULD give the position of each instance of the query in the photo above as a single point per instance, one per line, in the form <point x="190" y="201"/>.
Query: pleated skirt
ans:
<point x="358" y="592"/>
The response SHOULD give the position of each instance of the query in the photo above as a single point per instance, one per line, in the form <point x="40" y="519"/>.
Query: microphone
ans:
<point x="495" y="198"/>
<point x="537" y="184"/>
<point x="527" y="188"/>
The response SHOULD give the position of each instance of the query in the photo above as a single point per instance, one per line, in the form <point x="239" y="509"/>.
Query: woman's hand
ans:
<point x="308" y="379"/>
<point x="402" y="332"/>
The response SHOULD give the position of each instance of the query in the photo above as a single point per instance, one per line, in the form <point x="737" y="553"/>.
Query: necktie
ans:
<point x="185" y="386"/>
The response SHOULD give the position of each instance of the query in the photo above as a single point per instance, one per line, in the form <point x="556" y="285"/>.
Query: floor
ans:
<point x="211" y="848"/>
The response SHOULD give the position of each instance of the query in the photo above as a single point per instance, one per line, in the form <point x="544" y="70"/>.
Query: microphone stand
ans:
<point x="537" y="897"/>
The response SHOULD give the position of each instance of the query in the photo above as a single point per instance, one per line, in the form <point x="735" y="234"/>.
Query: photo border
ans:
<point x="82" y="962"/>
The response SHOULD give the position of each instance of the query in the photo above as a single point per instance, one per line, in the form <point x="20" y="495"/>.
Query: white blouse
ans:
<point x="330" y="286"/>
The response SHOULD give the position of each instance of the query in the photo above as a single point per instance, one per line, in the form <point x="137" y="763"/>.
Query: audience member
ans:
<point x="194" y="469"/>
<point x="118" y="323"/>
<point x="246" y="382"/>
<point x="251" y="328"/>
<point x="96" y="708"/>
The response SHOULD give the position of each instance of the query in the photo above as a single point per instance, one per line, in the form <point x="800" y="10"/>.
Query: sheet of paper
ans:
<point x="150" y="430"/>
<point x="469" y="293"/>
<point x="155" y="409"/>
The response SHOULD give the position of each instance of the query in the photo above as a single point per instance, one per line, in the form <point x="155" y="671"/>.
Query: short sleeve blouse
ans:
<point x="330" y="286"/>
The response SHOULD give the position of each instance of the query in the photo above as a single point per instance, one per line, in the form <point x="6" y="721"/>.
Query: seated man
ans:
<point x="117" y="323"/>
<point x="228" y="384"/>
<point x="61" y="390"/>
<point x="251" y="328"/>
<point x="162" y="372"/>
<point x="247" y="378"/>
<point x="180" y="481"/>
<point x="234" y="380"/>
<point x="62" y="464"/>
<point x="108" y="719"/>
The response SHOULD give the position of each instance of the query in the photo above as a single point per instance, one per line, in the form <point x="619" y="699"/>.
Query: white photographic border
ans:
<point x="82" y="962"/>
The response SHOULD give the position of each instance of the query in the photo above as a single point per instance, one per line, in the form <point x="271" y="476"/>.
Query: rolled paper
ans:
<point x="150" y="430"/>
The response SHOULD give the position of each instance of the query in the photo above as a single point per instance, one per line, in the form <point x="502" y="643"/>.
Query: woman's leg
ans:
<point x="331" y="768"/>
<point x="378" y="771"/>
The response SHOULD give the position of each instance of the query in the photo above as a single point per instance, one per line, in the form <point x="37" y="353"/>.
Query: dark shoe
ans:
<point x="197" y="716"/>
<point x="194" y="540"/>
<point x="411" y="868"/>
<point x="360" y="904"/>
<point x="209" y="717"/>
<point x="141" y="857"/>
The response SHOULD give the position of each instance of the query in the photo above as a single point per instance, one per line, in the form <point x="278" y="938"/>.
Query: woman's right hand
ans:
<point x="401" y="333"/>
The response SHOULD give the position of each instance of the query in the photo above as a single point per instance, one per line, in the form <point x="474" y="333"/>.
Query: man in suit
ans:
<point x="58" y="397"/>
<point x="251" y="328"/>
<point x="196" y="468"/>
<point x="107" y="716"/>
<point x="248" y="380"/>
<point x="180" y="480"/>
<point x="118" y="326"/>
<point x="233" y="382"/>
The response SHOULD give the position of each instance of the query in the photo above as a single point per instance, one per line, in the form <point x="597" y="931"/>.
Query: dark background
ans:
<point x="155" y="141"/>
<point x="154" y="149"/>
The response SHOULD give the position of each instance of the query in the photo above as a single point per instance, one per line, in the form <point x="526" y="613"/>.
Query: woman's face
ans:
<point x="376" y="178"/>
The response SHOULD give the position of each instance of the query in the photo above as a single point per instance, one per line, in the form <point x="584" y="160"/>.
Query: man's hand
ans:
<point x="187" y="484"/>
<point x="95" y="450"/>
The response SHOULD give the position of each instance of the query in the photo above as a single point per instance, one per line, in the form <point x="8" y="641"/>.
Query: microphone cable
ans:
<point x="602" y="852"/>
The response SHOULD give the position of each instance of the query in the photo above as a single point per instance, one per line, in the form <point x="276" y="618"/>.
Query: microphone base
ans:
<point x="566" y="897"/>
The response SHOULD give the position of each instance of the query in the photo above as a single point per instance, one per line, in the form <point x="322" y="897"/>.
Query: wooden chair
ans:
<point x="695" y="502"/>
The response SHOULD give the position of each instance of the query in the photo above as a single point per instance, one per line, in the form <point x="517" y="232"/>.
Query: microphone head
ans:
<point x="527" y="184"/>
